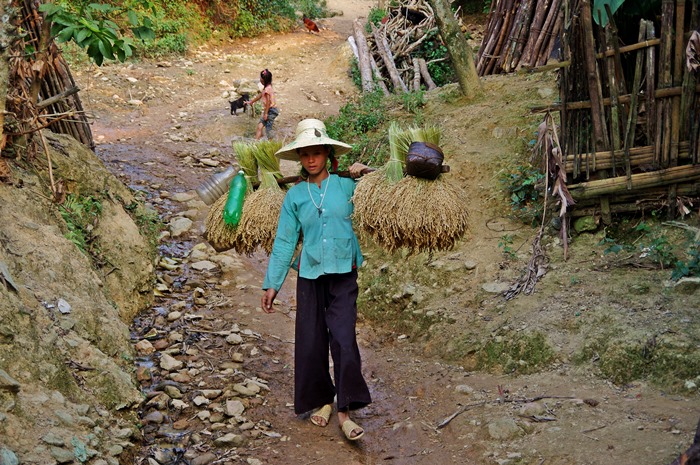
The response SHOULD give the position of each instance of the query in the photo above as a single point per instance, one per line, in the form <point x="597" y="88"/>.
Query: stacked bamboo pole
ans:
<point x="43" y="82"/>
<point x="391" y="46"/>
<point x="519" y="33"/>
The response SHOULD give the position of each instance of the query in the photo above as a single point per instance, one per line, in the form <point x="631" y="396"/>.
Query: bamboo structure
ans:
<point x="629" y="107"/>
<point x="44" y="93"/>
<point x="628" y="111"/>
<point x="519" y="33"/>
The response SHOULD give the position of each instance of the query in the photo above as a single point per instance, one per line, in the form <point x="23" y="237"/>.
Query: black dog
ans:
<point x="239" y="103"/>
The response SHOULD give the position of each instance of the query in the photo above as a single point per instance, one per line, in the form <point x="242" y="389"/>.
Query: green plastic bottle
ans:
<point x="234" y="202"/>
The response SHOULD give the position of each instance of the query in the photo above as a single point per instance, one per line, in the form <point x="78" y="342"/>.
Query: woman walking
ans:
<point x="320" y="208"/>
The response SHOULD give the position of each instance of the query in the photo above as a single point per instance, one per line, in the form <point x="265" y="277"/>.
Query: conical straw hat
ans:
<point x="310" y="132"/>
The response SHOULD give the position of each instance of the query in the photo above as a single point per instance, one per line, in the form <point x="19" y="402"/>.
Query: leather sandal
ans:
<point x="324" y="413"/>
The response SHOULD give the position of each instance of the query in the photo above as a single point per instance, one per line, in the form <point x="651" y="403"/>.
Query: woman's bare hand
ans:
<point x="356" y="169"/>
<point x="267" y="299"/>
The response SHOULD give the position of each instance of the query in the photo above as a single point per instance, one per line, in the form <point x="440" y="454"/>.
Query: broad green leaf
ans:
<point x="82" y="35"/>
<point x="102" y="7"/>
<point x="63" y="20"/>
<point x="600" y="16"/>
<point x="105" y="47"/>
<point x="49" y="8"/>
<point x="90" y="25"/>
<point x="143" y="33"/>
<point x="93" y="51"/>
<point x="133" y="19"/>
<point x="66" y="34"/>
<point x="109" y="33"/>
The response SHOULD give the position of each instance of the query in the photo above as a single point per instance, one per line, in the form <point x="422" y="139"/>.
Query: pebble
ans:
<point x="179" y="404"/>
<point x="7" y="457"/>
<point x="154" y="416"/>
<point x="204" y="459"/>
<point x="53" y="440"/>
<point x="234" y="339"/>
<point x="464" y="389"/>
<point x="211" y="393"/>
<point x="62" y="455"/>
<point x="230" y="439"/>
<point x="144" y="347"/>
<point x="234" y="408"/>
<point x="169" y="363"/>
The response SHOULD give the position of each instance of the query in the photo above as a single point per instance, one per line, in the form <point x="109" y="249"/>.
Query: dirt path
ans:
<point x="157" y="147"/>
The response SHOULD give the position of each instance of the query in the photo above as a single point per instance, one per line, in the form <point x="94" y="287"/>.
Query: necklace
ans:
<point x="323" y="196"/>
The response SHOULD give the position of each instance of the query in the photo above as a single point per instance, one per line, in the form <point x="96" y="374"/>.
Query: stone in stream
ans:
<point x="170" y="363"/>
<point x="144" y="347"/>
<point x="230" y="440"/>
<point x="173" y="392"/>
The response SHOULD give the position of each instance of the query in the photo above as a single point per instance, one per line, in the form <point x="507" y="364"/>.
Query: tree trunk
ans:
<point x="363" y="60"/>
<point x="426" y="74"/>
<point x="460" y="53"/>
<point x="385" y="52"/>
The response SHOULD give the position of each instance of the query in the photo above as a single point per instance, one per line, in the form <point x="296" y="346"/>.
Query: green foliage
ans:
<point x="244" y="25"/>
<point x="154" y="28"/>
<point x="81" y="215"/>
<point x="412" y="102"/>
<point x="375" y="17"/>
<point x="93" y="26"/>
<point x="648" y="243"/>
<point x="664" y="363"/>
<point x="355" y="73"/>
<point x="505" y="243"/>
<point x="433" y="49"/>
<point x="254" y="17"/>
<point x="516" y="353"/>
<point x="358" y="122"/>
<point x="691" y="267"/>
<point x="311" y="8"/>
<point x="357" y="118"/>
<point x="149" y="223"/>
<point x="522" y="185"/>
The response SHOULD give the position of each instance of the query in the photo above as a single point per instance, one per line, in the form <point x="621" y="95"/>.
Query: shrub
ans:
<point x="522" y="185"/>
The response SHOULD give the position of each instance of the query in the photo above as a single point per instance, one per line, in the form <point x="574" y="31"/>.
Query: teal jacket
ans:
<point x="329" y="246"/>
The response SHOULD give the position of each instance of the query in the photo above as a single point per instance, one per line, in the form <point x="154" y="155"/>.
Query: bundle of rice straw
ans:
<point x="418" y="214"/>
<point x="220" y="235"/>
<point x="261" y="210"/>
<point x="245" y="154"/>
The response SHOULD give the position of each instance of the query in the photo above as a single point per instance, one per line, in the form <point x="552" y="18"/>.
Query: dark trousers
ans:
<point x="326" y="316"/>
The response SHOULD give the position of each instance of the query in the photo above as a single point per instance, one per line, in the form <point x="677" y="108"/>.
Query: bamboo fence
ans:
<point x="626" y="109"/>
<point x="639" y="133"/>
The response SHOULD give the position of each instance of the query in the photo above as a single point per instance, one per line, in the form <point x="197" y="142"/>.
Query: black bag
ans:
<point x="424" y="160"/>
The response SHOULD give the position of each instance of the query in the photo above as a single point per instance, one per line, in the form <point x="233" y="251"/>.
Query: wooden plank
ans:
<point x="640" y="181"/>
<point x="638" y="156"/>
<point x="659" y="93"/>
<point x="634" y="103"/>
